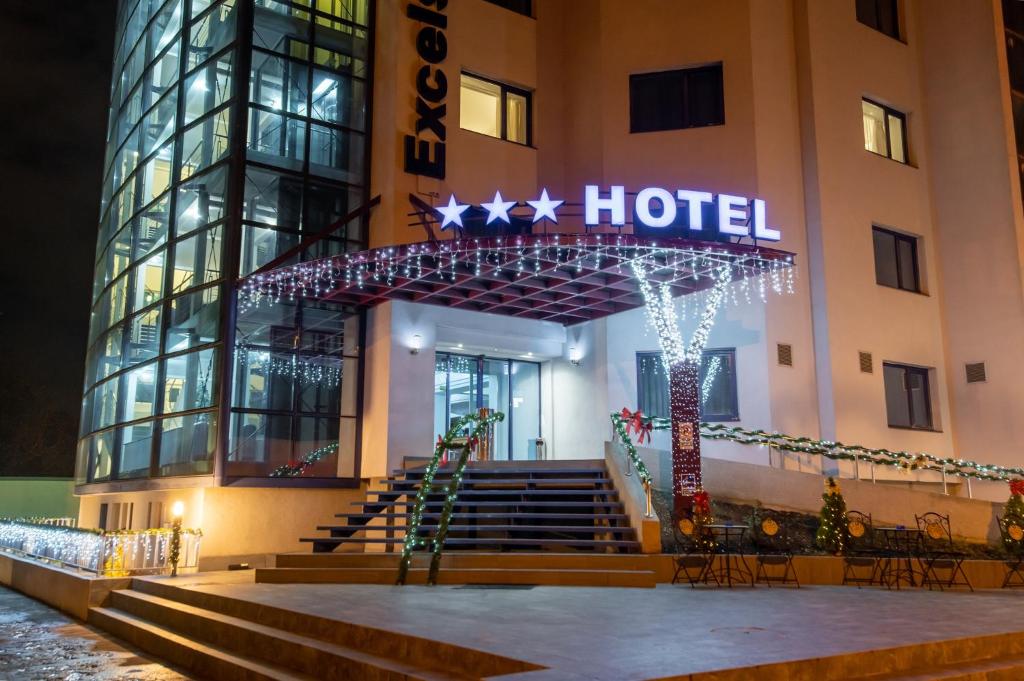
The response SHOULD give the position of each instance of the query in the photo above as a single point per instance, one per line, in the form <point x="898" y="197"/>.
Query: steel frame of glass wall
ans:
<point x="178" y="205"/>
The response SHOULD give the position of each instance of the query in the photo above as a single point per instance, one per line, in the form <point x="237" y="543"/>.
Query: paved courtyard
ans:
<point x="37" y="642"/>
<point x="622" y="634"/>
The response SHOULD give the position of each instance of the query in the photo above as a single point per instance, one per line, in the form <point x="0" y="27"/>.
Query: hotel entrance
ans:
<point x="465" y="383"/>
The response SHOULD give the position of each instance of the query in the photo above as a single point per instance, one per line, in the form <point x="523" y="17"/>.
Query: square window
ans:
<point x="896" y="262"/>
<point x="495" y="109"/>
<point x="881" y="15"/>
<point x="907" y="396"/>
<point x="719" y="395"/>
<point x="675" y="100"/>
<point x="885" y="130"/>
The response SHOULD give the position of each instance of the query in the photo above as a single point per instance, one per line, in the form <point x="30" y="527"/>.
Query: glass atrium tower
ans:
<point x="237" y="129"/>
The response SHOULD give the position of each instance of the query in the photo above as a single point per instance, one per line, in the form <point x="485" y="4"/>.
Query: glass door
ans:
<point x="463" y="384"/>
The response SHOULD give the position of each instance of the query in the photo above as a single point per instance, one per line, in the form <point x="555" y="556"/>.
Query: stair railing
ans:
<point x="478" y="425"/>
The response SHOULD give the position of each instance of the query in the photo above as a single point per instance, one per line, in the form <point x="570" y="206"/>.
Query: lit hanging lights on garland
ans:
<point x="295" y="469"/>
<point x="320" y="369"/>
<point x="625" y="422"/>
<point x="521" y="256"/>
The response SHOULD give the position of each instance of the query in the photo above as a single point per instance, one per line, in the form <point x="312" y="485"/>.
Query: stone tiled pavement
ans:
<point x="37" y="642"/>
<point x="609" y="633"/>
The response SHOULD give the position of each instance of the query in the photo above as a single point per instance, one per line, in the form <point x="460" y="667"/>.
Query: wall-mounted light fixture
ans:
<point x="415" y="344"/>
<point x="575" y="358"/>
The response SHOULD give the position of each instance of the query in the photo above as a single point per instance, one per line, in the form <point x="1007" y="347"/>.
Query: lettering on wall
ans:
<point x="424" y="150"/>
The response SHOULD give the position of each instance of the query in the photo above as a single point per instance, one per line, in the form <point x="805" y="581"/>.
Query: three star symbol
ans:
<point x="498" y="209"/>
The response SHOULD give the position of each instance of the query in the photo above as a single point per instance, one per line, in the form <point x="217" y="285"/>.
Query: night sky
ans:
<point x="55" y="74"/>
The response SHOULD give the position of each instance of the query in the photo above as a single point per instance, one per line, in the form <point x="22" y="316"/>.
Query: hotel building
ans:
<point x="246" y="135"/>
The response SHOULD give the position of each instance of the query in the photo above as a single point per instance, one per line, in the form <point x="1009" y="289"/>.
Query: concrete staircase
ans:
<point x="500" y="506"/>
<point x="228" y="639"/>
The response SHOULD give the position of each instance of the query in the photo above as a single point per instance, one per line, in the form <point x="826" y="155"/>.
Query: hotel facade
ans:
<point x="250" y="135"/>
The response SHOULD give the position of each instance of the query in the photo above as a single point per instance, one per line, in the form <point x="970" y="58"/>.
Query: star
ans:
<point x="452" y="212"/>
<point x="497" y="209"/>
<point x="545" y="207"/>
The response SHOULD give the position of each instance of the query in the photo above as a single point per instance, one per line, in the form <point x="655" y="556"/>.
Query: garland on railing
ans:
<point x="626" y="422"/>
<point x="294" y="469"/>
<point x="445" y="443"/>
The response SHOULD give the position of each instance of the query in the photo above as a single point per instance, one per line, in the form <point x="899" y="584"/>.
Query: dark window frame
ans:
<point x="636" y="106"/>
<point x="505" y="90"/>
<point x="880" y="9"/>
<point x="730" y="416"/>
<point x="523" y="7"/>
<point x="923" y="373"/>
<point x="897" y="239"/>
<point x="889" y="111"/>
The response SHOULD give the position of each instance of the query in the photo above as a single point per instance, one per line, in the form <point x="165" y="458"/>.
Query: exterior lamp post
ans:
<point x="177" y="511"/>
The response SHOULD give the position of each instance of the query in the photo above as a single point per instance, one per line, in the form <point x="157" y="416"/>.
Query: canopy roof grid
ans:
<point x="564" y="278"/>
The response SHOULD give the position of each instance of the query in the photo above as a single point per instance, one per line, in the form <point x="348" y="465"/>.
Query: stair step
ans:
<point x="310" y="656"/>
<point x="581" y="529"/>
<point x="479" y="541"/>
<point x="492" y="516"/>
<point x="204" y="660"/>
<point x="570" y="560"/>
<point x="468" y="493"/>
<point x="531" y="504"/>
<point x="476" y="481"/>
<point x="475" y="468"/>
<point x="488" y="576"/>
<point x="1009" y="668"/>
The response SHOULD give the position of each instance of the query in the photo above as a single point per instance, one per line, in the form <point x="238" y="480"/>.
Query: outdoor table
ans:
<point x="903" y="542"/>
<point x="729" y="539"/>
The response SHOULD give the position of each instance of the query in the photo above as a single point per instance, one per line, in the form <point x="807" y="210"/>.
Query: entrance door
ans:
<point x="463" y="384"/>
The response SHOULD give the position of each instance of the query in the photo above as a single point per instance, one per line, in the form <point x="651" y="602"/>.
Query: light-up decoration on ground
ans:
<point x="113" y="553"/>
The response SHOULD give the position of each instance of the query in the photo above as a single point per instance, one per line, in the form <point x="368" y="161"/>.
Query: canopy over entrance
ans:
<point x="564" y="278"/>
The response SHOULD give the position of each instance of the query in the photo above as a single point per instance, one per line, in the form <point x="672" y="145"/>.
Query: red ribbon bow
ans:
<point x="635" y="424"/>
<point x="1017" y="487"/>
<point x="702" y="502"/>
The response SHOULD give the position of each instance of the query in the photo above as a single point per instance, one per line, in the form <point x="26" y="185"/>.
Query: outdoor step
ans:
<point x="482" y="576"/>
<point x="575" y="560"/>
<point x="1009" y="668"/>
<point x="203" y="660"/>
<point x="491" y="516"/>
<point x="476" y="481"/>
<point x="243" y="637"/>
<point x="428" y="529"/>
<point x="470" y="493"/>
<point x="330" y="543"/>
<point x="515" y="502"/>
<point x="511" y="467"/>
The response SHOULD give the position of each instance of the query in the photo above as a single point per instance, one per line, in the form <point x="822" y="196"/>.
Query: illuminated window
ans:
<point x="495" y="109"/>
<point x="674" y="100"/>
<point x="885" y="131"/>
<point x="881" y="15"/>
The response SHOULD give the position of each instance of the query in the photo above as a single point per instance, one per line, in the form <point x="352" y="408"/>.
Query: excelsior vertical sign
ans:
<point x="423" y="156"/>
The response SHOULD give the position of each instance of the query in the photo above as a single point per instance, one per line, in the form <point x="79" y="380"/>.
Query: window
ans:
<point x="719" y="398"/>
<point x="495" y="109"/>
<point x="896" y="260"/>
<point x="673" y="100"/>
<point x="885" y="131"/>
<point x="881" y="15"/>
<point x="907" y="396"/>
<point x="518" y="6"/>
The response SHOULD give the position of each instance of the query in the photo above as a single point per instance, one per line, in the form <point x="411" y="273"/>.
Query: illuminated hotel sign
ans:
<point x="654" y="209"/>
<point x="423" y="157"/>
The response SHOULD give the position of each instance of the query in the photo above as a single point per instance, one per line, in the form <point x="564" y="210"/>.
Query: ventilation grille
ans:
<point x="976" y="372"/>
<point x="785" y="352"/>
<point x="867" y="364"/>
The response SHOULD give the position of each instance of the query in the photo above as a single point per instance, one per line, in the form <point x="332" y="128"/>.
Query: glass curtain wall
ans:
<point x="154" y="357"/>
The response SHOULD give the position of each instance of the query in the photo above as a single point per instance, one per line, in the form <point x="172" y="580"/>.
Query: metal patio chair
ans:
<point x="939" y="554"/>
<point x="1011" y="528"/>
<point x="693" y="565"/>
<point x="863" y="561"/>
<point x="774" y="550"/>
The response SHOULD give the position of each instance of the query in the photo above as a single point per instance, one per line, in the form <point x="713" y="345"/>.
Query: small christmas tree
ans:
<point x="832" y="531"/>
<point x="703" y="539"/>
<point x="1013" y="513"/>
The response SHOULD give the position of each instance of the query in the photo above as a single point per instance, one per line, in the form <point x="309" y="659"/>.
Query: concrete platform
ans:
<point x="675" y="632"/>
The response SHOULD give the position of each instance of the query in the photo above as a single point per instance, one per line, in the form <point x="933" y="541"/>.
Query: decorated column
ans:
<point x="684" y="398"/>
